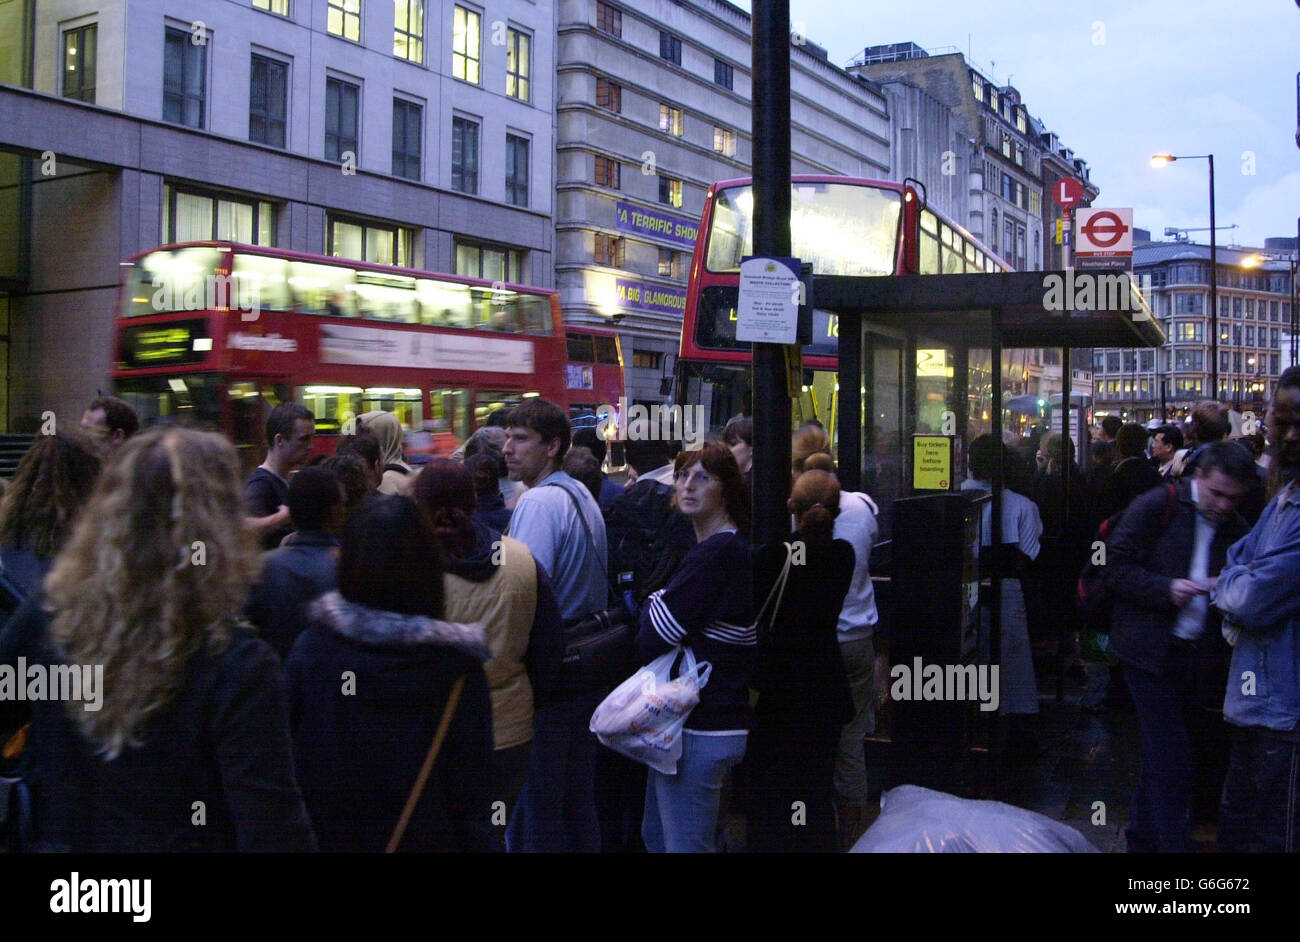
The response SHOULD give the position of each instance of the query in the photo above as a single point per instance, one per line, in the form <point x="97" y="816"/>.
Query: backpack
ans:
<point x="1096" y="597"/>
<point x="647" y="539"/>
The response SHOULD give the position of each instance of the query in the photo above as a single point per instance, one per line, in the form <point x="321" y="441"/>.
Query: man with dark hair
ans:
<point x="110" y="420"/>
<point x="560" y="522"/>
<point x="588" y="439"/>
<point x="1110" y="426"/>
<point x="294" y="575"/>
<point x="1162" y="563"/>
<point x="1132" y="475"/>
<point x="1166" y="442"/>
<point x="1259" y="595"/>
<point x="1208" y="422"/>
<point x="289" y="431"/>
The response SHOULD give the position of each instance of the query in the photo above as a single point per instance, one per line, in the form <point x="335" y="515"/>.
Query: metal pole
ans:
<point x="771" y="161"/>
<point x="1214" y="293"/>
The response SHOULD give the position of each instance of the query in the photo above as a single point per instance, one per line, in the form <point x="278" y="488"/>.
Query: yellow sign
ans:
<point x="931" y="463"/>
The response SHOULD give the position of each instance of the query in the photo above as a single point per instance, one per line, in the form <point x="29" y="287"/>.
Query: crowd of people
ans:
<point x="350" y="653"/>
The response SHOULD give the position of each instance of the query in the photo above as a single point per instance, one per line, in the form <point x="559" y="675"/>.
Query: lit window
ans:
<point x="79" y="63"/>
<point x="195" y="216"/>
<point x="465" y="45"/>
<point x="367" y="242"/>
<point x="279" y="7"/>
<point x="518" y="63"/>
<point x="977" y="85"/>
<point x="495" y="263"/>
<point x="344" y="19"/>
<point x="408" y="30"/>
<point x="724" y="141"/>
<point x="670" y="120"/>
<point x="670" y="191"/>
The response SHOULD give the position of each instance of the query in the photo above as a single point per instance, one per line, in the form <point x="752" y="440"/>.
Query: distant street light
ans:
<point x="1161" y="160"/>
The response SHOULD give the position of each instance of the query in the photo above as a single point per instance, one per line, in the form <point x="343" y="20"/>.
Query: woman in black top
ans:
<point x="803" y="692"/>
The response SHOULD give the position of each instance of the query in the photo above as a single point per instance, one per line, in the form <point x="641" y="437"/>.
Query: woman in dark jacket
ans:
<point x="803" y="692"/>
<point x="174" y="734"/>
<point x="369" y="681"/>
<point x="708" y="606"/>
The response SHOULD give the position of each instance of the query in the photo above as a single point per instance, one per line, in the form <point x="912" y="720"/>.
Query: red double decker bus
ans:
<point x="842" y="226"/>
<point x="216" y="333"/>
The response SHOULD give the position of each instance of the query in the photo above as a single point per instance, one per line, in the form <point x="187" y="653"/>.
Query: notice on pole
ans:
<point x="767" y="310"/>
<point x="931" y="463"/>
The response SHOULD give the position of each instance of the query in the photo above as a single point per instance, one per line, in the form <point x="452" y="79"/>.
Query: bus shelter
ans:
<point x="934" y="359"/>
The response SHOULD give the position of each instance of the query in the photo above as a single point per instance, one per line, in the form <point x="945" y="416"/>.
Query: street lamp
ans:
<point x="1161" y="160"/>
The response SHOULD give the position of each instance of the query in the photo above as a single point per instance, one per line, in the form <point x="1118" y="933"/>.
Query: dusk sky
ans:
<point x="1120" y="80"/>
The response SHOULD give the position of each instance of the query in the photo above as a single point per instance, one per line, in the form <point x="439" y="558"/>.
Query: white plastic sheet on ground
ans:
<point x="915" y="820"/>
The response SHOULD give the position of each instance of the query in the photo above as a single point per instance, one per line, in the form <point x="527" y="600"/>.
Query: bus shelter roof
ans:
<point x="1034" y="309"/>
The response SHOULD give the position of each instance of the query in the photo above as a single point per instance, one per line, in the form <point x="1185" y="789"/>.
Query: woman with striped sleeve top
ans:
<point x="707" y="605"/>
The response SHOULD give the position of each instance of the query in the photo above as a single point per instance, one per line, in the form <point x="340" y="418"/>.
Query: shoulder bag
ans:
<point x="453" y="699"/>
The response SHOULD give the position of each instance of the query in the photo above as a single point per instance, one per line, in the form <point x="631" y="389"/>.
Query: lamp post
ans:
<point x="1160" y="160"/>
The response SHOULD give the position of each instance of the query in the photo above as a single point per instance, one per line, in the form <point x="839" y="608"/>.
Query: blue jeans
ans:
<point x="556" y="812"/>
<point x="681" y="811"/>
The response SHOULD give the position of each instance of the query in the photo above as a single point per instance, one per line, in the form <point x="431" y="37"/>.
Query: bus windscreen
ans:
<point x="840" y="228"/>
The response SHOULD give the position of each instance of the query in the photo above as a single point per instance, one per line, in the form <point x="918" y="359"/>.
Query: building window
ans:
<point x="1250" y="309"/>
<point x="184" y="79"/>
<point x="1225" y="361"/>
<point x="198" y="216"/>
<point x="1021" y="123"/>
<point x="1250" y="336"/>
<point x="1273" y="337"/>
<point x="493" y="263"/>
<point x="408" y="122"/>
<point x="516" y="170"/>
<point x="1112" y="362"/>
<point x="1006" y="145"/>
<point x="465" y="45"/>
<point x="79" y="63"/>
<point x="342" y="101"/>
<point x="344" y="19"/>
<point x="1190" y="331"/>
<point x="977" y="86"/>
<point x="368" y="242"/>
<point x="608" y="250"/>
<point x="408" y="30"/>
<point x="993" y="230"/>
<point x="646" y="359"/>
<point x="670" y="191"/>
<point x="1147" y="358"/>
<point x="267" y="96"/>
<point x="670" y="120"/>
<point x="993" y="98"/>
<point x="1236" y="307"/>
<point x="670" y="48"/>
<point x="724" y="141"/>
<point x="723" y="74"/>
<point x="1008" y="188"/>
<point x="609" y="20"/>
<point x="464" y="155"/>
<point x="278" y="7"/>
<point x="671" y="264"/>
<point x="607" y="172"/>
<point x="609" y="95"/>
<point x="519" y="63"/>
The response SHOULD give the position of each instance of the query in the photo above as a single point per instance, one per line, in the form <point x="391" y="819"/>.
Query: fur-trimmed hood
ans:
<point x="377" y="627"/>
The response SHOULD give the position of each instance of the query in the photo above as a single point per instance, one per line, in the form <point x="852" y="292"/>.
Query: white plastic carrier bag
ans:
<point x="643" y="717"/>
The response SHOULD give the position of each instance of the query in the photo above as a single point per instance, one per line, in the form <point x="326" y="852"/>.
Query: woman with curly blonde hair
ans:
<point x="180" y="739"/>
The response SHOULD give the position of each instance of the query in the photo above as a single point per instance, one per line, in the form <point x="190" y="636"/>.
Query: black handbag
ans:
<point x="599" y="648"/>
